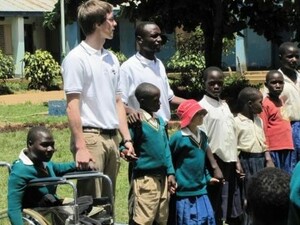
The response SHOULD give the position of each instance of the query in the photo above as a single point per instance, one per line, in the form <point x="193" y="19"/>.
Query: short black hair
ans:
<point x="247" y="94"/>
<point x="145" y="90"/>
<point x="32" y="135"/>
<point x="268" y="195"/>
<point x="271" y="73"/>
<point x="140" y="29"/>
<point x="284" y="46"/>
<point x="207" y="71"/>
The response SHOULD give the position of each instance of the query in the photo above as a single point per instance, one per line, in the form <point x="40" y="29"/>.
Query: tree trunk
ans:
<point x="213" y="35"/>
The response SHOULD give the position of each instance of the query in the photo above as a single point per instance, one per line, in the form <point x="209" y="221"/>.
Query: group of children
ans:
<point x="242" y="145"/>
<point x="207" y="164"/>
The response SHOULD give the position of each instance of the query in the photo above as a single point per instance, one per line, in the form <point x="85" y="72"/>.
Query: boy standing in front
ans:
<point x="189" y="148"/>
<point x="153" y="172"/>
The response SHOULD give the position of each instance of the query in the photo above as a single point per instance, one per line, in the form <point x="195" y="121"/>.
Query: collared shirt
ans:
<point x="94" y="74"/>
<point x="250" y="134"/>
<point x="150" y="119"/>
<point x="220" y="128"/>
<point x="291" y="98"/>
<point x="187" y="132"/>
<point x="136" y="70"/>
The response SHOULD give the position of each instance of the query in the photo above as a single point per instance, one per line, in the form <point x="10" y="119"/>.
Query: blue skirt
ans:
<point x="195" y="210"/>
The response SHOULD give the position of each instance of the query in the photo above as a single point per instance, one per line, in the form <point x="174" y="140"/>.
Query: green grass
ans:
<point x="28" y="113"/>
<point x="13" y="142"/>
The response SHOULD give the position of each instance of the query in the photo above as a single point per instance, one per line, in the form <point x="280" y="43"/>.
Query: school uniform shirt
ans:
<point x="250" y="134"/>
<point x="153" y="150"/>
<point x="220" y="128"/>
<point x="138" y="69"/>
<point x="278" y="130"/>
<point x="23" y="171"/>
<point x="291" y="97"/>
<point x="188" y="153"/>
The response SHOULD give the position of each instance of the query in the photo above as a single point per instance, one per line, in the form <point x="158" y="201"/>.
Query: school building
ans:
<point x="21" y="30"/>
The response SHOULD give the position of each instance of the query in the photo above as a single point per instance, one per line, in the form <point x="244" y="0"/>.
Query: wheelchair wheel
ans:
<point x="30" y="217"/>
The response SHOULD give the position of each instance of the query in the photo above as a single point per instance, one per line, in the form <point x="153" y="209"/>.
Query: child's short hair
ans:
<point x="271" y="73"/>
<point x="210" y="69"/>
<point x="144" y="90"/>
<point x="268" y="195"/>
<point x="247" y="94"/>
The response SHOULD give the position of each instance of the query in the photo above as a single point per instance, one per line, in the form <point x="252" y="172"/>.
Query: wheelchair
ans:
<point x="99" y="211"/>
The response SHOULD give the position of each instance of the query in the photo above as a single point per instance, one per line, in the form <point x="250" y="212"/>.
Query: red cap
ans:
<point x="187" y="110"/>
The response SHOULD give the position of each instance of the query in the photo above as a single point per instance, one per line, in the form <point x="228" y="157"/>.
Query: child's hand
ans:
<point x="172" y="185"/>
<point x="269" y="163"/>
<point x="128" y="155"/>
<point x="218" y="174"/>
<point x="214" y="181"/>
<point x="239" y="170"/>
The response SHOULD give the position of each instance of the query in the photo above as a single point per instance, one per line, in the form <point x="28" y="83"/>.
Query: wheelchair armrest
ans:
<point x="6" y="164"/>
<point x="80" y="175"/>
<point x="46" y="181"/>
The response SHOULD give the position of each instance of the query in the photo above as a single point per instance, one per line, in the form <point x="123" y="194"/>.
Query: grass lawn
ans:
<point x="13" y="117"/>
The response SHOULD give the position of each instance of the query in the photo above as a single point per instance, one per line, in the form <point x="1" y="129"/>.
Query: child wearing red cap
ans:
<point x="189" y="147"/>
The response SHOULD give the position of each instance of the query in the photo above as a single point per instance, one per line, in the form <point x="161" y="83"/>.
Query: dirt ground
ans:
<point x="33" y="97"/>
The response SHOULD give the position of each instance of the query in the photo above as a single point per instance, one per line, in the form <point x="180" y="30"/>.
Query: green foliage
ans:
<point x="6" y="66"/>
<point x="121" y="57"/>
<point x="233" y="84"/>
<point x="42" y="71"/>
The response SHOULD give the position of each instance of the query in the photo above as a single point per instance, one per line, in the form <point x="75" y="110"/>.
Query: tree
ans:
<point x="217" y="18"/>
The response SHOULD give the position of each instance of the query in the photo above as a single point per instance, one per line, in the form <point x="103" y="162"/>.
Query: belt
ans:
<point x="111" y="132"/>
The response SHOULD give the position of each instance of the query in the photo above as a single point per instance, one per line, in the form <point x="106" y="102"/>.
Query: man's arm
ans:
<point x="123" y="126"/>
<point x="83" y="156"/>
<point x="177" y="100"/>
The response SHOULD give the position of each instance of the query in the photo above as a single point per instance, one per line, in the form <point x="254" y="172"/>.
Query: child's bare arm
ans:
<point x="216" y="169"/>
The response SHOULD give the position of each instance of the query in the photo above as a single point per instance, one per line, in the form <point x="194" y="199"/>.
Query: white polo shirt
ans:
<point x="291" y="98"/>
<point x="94" y="74"/>
<point x="220" y="128"/>
<point x="136" y="70"/>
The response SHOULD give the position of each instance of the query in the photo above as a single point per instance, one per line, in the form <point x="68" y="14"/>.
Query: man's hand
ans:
<point x="172" y="185"/>
<point x="84" y="159"/>
<point x="134" y="116"/>
<point x="128" y="154"/>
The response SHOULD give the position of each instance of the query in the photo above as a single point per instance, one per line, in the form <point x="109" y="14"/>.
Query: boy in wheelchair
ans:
<point x="34" y="162"/>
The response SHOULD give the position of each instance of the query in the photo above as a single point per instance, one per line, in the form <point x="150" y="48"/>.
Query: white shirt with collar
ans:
<point x="94" y="74"/>
<point x="220" y="129"/>
<point x="291" y="98"/>
<point x="136" y="70"/>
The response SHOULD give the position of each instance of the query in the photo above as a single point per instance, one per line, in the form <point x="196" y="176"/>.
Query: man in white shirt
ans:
<point x="94" y="106"/>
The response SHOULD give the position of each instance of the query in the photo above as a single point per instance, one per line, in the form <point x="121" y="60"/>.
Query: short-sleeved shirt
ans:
<point x="136" y="70"/>
<point x="94" y="74"/>
<point x="220" y="128"/>
<point x="278" y="130"/>
<point x="291" y="97"/>
<point x="250" y="134"/>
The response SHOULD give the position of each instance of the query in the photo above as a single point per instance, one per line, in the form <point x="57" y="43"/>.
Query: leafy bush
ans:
<point x="233" y="84"/>
<point x="121" y="57"/>
<point x="42" y="71"/>
<point x="6" y="66"/>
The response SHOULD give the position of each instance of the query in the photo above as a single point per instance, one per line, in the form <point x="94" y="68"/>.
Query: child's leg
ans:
<point x="163" y="208"/>
<point x="144" y="200"/>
